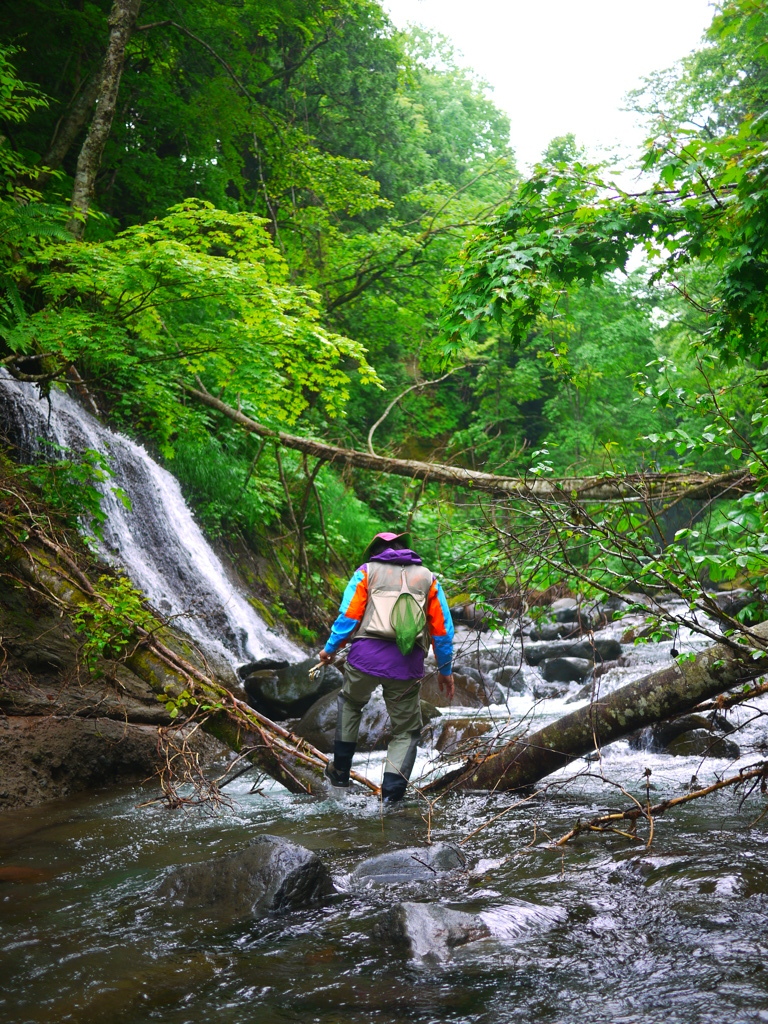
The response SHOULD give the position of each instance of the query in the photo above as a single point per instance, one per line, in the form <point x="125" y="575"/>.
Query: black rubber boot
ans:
<point x="336" y="778"/>
<point x="393" y="787"/>
<point x="338" y="773"/>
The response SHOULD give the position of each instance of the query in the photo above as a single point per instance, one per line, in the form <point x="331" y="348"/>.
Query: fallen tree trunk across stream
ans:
<point x="291" y="760"/>
<point x="629" y="487"/>
<point x="664" y="694"/>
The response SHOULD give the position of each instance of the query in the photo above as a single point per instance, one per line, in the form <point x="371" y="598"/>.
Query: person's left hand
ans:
<point x="325" y="657"/>
<point x="447" y="685"/>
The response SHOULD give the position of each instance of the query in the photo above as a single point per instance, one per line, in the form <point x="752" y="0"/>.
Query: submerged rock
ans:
<point x="270" y="874"/>
<point x="429" y="930"/>
<point x="288" y="691"/>
<point x="413" y="864"/>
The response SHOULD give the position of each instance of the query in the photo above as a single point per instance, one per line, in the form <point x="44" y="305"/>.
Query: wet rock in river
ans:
<point x="567" y="605"/>
<point x="574" y="617"/>
<point x="494" y="657"/>
<point x="413" y="864"/>
<point x="597" y="649"/>
<point x="49" y="757"/>
<point x="549" y="691"/>
<point x="565" y="670"/>
<point x="510" y="676"/>
<point x="687" y="735"/>
<point x="271" y="874"/>
<point x="455" y="733"/>
<point x="555" y="631"/>
<point x="703" y="743"/>
<point x="288" y="691"/>
<point x="262" y="665"/>
<point x="472" y="616"/>
<point x="429" y="930"/>
<point x="469" y="692"/>
<point x="318" y="725"/>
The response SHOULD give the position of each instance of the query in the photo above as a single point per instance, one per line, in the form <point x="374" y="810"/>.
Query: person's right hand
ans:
<point x="325" y="657"/>
<point x="447" y="685"/>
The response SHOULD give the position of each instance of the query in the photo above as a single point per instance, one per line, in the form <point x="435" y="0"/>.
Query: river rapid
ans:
<point x="612" y="931"/>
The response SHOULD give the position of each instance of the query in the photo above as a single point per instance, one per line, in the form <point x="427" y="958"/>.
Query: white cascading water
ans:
<point x="156" y="541"/>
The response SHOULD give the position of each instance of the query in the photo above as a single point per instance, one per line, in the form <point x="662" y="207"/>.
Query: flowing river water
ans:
<point x="601" y="930"/>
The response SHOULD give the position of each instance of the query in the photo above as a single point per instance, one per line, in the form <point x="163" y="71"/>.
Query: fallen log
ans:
<point x="289" y="759"/>
<point x="671" y="691"/>
<point x="628" y="487"/>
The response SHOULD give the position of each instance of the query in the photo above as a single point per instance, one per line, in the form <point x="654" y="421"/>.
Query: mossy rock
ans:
<point x="702" y="743"/>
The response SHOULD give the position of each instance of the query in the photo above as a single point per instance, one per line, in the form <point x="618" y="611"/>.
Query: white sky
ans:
<point x="559" y="66"/>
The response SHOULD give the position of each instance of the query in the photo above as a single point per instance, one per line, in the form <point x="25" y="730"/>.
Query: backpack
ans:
<point x="397" y="605"/>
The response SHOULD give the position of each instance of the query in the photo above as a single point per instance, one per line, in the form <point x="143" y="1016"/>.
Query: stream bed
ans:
<point x="672" y="934"/>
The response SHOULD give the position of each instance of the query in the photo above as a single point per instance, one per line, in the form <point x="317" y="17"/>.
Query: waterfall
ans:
<point x="156" y="541"/>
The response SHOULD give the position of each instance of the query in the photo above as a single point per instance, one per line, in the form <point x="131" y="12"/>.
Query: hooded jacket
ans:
<point x="382" y="657"/>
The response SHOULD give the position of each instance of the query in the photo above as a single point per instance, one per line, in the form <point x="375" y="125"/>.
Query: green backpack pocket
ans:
<point x="408" y="621"/>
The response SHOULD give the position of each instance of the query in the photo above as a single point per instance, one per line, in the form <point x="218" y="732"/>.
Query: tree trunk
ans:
<point x="122" y="20"/>
<point x="672" y="691"/>
<point x="68" y="129"/>
<point x="659" y="486"/>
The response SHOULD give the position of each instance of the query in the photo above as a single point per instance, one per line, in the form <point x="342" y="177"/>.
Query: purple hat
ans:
<point x="387" y="538"/>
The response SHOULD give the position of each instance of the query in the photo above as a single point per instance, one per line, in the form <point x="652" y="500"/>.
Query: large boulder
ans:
<point x="49" y="757"/>
<point x="594" y="650"/>
<point x="318" y="725"/>
<point x="549" y="691"/>
<point x="287" y="691"/>
<point x="470" y="615"/>
<point x="271" y="874"/>
<point x="413" y="864"/>
<point x="487" y="658"/>
<point x="429" y="930"/>
<point x="565" y="670"/>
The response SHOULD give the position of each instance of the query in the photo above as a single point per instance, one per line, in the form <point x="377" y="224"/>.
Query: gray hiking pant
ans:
<point x="403" y="705"/>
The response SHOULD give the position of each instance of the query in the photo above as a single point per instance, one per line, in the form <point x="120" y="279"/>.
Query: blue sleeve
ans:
<point x="353" y="600"/>
<point x="443" y="643"/>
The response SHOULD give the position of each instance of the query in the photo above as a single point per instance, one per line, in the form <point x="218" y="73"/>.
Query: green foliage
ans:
<point x="277" y="211"/>
<point x="108" y="626"/>
<point x="200" y="294"/>
<point x="570" y="223"/>
<point x="18" y="100"/>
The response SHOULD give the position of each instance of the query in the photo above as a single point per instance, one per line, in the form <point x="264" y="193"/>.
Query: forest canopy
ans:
<point x="319" y="219"/>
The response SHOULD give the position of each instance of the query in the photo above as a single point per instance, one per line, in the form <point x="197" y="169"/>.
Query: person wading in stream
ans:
<point x="391" y="608"/>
